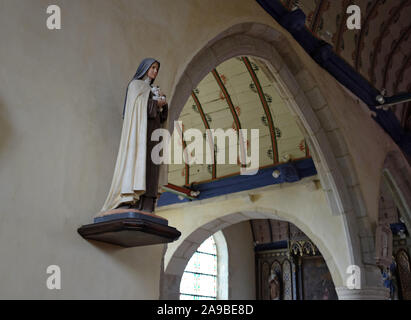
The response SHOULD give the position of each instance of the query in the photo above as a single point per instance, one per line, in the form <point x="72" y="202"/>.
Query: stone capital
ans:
<point x="369" y="293"/>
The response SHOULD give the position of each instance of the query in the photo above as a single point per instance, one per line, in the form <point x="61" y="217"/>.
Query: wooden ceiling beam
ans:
<point x="236" y="119"/>
<point x="364" y="28"/>
<point x="383" y="33"/>
<point x="207" y="126"/>
<point x="266" y="108"/>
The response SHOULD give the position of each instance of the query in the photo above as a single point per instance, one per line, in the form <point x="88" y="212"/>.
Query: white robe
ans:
<point x="129" y="180"/>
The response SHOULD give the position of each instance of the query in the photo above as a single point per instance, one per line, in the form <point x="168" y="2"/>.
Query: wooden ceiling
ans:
<point x="380" y="51"/>
<point x="270" y="231"/>
<point x="239" y="94"/>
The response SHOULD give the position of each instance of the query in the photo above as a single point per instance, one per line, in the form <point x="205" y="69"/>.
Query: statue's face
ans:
<point x="153" y="71"/>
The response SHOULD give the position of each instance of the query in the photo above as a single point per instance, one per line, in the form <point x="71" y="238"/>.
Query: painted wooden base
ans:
<point x="130" y="232"/>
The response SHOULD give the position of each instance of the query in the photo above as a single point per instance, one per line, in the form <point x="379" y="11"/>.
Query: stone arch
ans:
<point x="311" y="110"/>
<point x="396" y="174"/>
<point x="176" y="265"/>
<point x="222" y="265"/>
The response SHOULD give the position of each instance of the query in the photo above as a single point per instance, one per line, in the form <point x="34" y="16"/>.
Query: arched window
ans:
<point x="199" y="281"/>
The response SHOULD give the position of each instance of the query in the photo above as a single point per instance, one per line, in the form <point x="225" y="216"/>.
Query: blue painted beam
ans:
<point x="396" y="228"/>
<point x="271" y="246"/>
<point x="289" y="172"/>
<point x="324" y="55"/>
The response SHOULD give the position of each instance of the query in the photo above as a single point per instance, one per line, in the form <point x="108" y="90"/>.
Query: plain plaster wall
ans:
<point x="241" y="262"/>
<point x="61" y="100"/>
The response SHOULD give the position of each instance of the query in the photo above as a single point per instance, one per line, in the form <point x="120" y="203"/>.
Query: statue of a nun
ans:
<point x="137" y="180"/>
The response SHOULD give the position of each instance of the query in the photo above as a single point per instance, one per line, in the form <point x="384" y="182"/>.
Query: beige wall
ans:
<point x="297" y="203"/>
<point x="363" y="140"/>
<point x="241" y="261"/>
<point x="61" y="99"/>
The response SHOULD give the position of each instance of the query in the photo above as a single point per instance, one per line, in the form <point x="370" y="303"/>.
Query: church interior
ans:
<point x="327" y="215"/>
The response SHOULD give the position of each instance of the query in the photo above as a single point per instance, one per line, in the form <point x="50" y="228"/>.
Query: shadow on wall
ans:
<point x="5" y="128"/>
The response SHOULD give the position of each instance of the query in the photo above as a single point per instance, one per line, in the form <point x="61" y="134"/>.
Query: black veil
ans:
<point x="141" y="71"/>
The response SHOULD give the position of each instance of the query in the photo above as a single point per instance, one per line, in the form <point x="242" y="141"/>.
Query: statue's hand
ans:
<point x="161" y="103"/>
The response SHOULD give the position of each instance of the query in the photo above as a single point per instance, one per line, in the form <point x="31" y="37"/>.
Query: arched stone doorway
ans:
<point x="397" y="176"/>
<point x="180" y="258"/>
<point x="329" y="151"/>
<point x="392" y="236"/>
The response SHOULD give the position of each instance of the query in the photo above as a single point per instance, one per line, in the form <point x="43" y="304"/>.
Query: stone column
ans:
<point x="300" y="279"/>
<point x="170" y="287"/>
<point x="370" y="293"/>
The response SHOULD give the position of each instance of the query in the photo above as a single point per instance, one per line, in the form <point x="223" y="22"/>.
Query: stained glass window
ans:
<point x="199" y="281"/>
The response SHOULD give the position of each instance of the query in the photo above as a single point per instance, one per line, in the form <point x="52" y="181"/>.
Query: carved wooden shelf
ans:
<point x="130" y="229"/>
